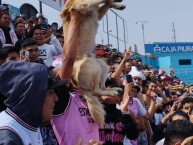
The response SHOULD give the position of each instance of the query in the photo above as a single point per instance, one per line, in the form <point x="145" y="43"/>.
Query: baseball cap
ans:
<point x="2" y="7"/>
<point x="137" y="88"/>
<point x="53" y="84"/>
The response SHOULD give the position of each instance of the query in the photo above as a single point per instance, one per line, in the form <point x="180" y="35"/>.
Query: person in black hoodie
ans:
<point x="117" y="124"/>
<point x="30" y="101"/>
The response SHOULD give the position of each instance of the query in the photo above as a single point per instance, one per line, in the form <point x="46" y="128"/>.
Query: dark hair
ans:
<point x="185" y="100"/>
<point x="16" y="18"/>
<point x="177" y="131"/>
<point x="28" y="42"/>
<point x="181" y="113"/>
<point x="15" y="25"/>
<point x="54" y="23"/>
<point x="6" y="6"/>
<point x="190" y="111"/>
<point x="59" y="36"/>
<point x="33" y="30"/>
<point x="18" y="44"/>
<point x="6" y="50"/>
<point x="1" y="14"/>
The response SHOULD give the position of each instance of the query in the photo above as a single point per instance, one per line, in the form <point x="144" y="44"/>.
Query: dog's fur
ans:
<point x="90" y="73"/>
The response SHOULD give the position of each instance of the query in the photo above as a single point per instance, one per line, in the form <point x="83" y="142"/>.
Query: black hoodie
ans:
<point x="24" y="85"/>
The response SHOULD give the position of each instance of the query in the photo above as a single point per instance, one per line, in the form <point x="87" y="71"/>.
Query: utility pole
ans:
<point x="174" y="32"/>
<point x="142" y="26"/>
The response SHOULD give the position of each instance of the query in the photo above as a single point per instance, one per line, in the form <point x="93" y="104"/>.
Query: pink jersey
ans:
<point x="135" y="109"/>
<point x="75" y="123"/>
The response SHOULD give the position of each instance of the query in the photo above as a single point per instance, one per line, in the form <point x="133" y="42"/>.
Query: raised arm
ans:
<point x="102" y="10"/>
<point x="117" y="73"/>
<point x="70" y="46"/>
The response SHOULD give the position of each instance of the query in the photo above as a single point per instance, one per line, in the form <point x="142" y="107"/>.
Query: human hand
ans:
<point x="128" y="54"/>
<point x="151" y="95"/>
<point x="187" y="141"/>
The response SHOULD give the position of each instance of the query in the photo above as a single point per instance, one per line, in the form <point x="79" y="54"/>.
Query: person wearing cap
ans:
<point x="130" y="102"/>
<point x="30" y="100"/>
<point x="2" y="9"/>
<point x="7" y="35"/>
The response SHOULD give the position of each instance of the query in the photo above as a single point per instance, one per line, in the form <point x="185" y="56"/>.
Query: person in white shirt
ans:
<point x="46" y="51"/>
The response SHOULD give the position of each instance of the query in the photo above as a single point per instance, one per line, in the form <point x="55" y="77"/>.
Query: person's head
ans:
<point x="38" y="35"/>
<point x="190" y="113"/>
<point x="29" y="24"/>
<point x="41" y="18"/>
<point x="128" y="66"/>
<point x="5" y="20"/>
<point x="29" y="91"/>
<point x="54" y="27"/>
<point x="18" y="19"/>
<point x="60" y="39"/>
<point x="138" y="77"/>
<point x="179" y="115"/>
<point x="177" y="131"/>
<point x="190" y="89"/>
<point x="164" y="81"/>
<point x="8" y="53"/>
<point x="174" y="96"/>
<point x="186" y="104"/>
<point x="6" y="8"/>
<point x="3" y="9"/>
<point x="20" y="28"/>
<point x="32" y="47"/>
<point x="110" y="83"/>
<point x="131" y="91"/>
<point x="153" y="86"/>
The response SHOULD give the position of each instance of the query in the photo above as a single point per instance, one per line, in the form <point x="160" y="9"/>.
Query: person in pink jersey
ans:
<point x="72" y="120"/>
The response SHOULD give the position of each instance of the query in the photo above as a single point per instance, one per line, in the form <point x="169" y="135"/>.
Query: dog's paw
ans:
<point x="112" y="93"/>
<point x="116" y="89"/>
<point x="120" y="7"/>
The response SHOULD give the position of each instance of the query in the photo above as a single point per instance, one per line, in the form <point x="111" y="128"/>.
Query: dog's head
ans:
<point x="65" y="15"/>
<point x="83" y="6"/>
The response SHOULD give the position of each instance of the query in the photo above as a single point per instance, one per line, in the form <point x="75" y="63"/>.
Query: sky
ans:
<point x="159" y="14"/>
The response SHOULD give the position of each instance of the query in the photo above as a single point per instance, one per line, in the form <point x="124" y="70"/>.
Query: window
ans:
<point x="28" y="10"/>
<point x="185" y="62"/>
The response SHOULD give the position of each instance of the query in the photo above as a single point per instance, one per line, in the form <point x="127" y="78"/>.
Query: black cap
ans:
<point x="53" y="84"/>
<point x="137" y="88"/>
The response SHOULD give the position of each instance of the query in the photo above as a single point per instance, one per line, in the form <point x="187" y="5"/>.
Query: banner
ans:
<point x="13" y="12"/>
<point x="169" y="47"/>
<point x="56" y="4"/>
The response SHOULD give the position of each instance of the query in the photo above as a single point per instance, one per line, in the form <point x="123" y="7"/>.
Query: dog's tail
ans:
<point x="95" y="108"/>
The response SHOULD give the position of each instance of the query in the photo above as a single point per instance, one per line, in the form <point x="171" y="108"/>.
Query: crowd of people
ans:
<point x="40" y="106"/>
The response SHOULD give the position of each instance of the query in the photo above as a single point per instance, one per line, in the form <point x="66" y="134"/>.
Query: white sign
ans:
<point x="56" y="4"/>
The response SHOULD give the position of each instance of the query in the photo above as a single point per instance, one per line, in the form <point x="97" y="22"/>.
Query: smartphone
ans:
<point x="129" y="79"/>
<point x="24" y="53"/>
